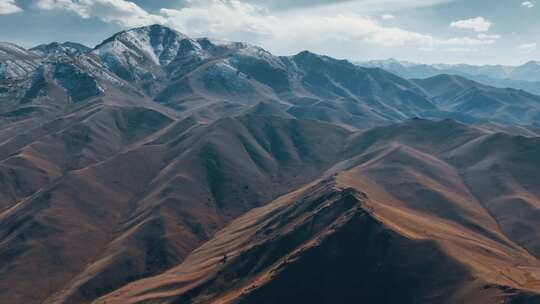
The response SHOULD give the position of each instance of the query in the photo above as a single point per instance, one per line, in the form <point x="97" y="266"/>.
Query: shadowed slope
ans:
<point x="145" y="207"/>
<point x="326" y="242"/>
<point x="412" y="186"/>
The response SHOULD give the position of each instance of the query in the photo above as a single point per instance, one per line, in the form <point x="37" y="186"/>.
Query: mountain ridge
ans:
<point x="208" y="79"/>
<point x="525" y="77"/>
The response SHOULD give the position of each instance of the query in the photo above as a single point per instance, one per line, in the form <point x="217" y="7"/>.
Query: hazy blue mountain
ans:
<point x="56" y="48"/>
<point x="525" y="77"/>
<point x="470" y="101"/>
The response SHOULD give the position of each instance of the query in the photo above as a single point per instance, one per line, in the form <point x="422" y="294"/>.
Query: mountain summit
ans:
<point x="155" y="43"/>
<point x="55" y="48"/>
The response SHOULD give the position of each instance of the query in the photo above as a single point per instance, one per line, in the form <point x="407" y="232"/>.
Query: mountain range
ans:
<point x="159" y="168"/>
<point x="524" y="77"/>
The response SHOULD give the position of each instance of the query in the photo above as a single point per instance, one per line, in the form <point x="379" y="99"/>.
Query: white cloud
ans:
<point x="461" y="50"/>
<point x="527" y="4"/>
<point x="488" y="37"/>
<point x="340" y="34"/>
<point x="527" y="48"/>
<point x="237" y="19"/>
<point x="125" y="13"/>
<point x="9" y="7"/>
<point x="229" y="19"/>
<point x="478" y="24"/>
<point x="388" y="17"/>
<point x="374" y="6"/>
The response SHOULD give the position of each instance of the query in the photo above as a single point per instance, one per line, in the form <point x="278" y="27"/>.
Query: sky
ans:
<point x="426" y="31"/>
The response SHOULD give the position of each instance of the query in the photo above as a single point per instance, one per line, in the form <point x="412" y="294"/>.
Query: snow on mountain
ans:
<point x="155" y="43"/>
<point x="10" y="49"/>
<point x="71" y="48"/>
<point x="15" y="61"/>
<point x="142" y="53"/>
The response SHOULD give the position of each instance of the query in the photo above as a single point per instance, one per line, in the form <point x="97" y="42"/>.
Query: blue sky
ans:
<point x="451" y="31"/>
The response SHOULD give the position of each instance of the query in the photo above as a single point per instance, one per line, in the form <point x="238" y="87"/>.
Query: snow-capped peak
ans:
<point x="10" y="49"/>
<point x="532" y="63"/>
<point x="157" y="43"/>
<point x="60" y="48"/>
<point x="15" y="61"/>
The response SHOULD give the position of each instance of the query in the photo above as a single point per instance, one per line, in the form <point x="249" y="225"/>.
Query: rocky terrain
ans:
<point x="159" y="168"/>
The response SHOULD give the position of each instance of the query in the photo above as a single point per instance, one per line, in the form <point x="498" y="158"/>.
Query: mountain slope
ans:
<point x="331" y="247"/>
<point x="15" y="62"/>
<point x="177" y="184"/>
<point x="336" y="244"/>
<point x="404" y="186"/>
<point x="148" y="204"/>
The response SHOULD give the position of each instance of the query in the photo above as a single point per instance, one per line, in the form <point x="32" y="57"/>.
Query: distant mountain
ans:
<point x="470" y="101"/>
<point x="418" y="70"/>
<point x="525" y="77"/>
<point x="530" y="71"/>
<point x="63" y="48"/>
<point x="16" y="61"/>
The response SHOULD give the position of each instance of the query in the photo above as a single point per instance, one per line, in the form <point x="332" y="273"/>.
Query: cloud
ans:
<point x="527" y="4"/>
<point x="9" y="7"/>
<point x="460" y="50"/>
<point x="358" y="5"/>
<point x="122" y="12"/>
<point x="340" y="33"/>
<point x="478" y="24"/>
<point x="387" y="17"/>
<point x="230" y="19"/>
<point x="527" y="48"/>
<point x="238" y="19"/>
<point x="488" y="37"/>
